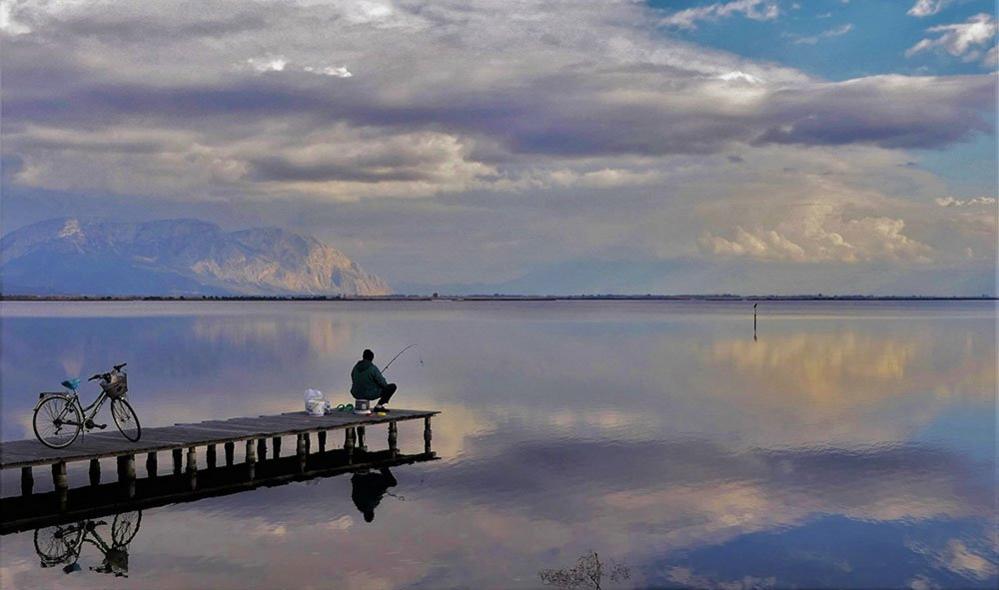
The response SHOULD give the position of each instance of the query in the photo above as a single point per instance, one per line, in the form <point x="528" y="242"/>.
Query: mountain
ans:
<point x="173" y="257"/>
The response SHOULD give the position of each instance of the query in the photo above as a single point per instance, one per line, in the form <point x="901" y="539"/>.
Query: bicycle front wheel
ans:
<point x="124" y="528"/>
<point x="57" y="422"/>
<point x="125" y="419"/>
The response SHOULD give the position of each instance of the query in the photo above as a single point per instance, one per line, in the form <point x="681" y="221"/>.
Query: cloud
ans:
<point x="761" y="10"/>
<point x="957" y="557"/>
<point x="529" y="133"/>
<point x="927" y="7"/>
<point x="268" y="64"/>
<point x="960" y="40"/>
<point x="821" y="233"/>
<point x="954" y="202"/>
<point x="8" y="24"/>
<point x="813" y="39"/>
<point x="991" y="58"/>
<point x="335" y="71"/>
<point x="606" y="88"/>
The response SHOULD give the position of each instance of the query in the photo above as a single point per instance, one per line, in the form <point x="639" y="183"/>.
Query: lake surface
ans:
<point x="849" y="445"/>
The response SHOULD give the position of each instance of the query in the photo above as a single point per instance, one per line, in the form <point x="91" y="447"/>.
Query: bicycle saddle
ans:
<point x="71" y="384"/>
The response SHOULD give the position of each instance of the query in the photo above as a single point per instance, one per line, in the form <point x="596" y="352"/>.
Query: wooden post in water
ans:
<point x="151" y="464"/>
<point x="59" y="479"/>
<point x="178" y="457"/>
<point x="754" y="321"/>
<point x="276" y="443"/>
<point x="192" y="467"/>
<point x="308" y="442"/>
<point x="210" y="456"/>
<point x="393" y="437"/>
<point x="95" y="472"/>
<point x="322" y="440"/>
<point x="348" y="443"/>
<point x="251" y="457"/>
<point x="126" y="468"/>
<point x="301" y="449"/>
<point x="27" y="481"/>
<point x="126" y="473"/>
<point x="192" y="459"/>
<point x="428" y="434"/>
<point x="61" y="483"/>
<point x="230" y="453"/>
<point x="360" y="439"/>
<point x="262" y="449"/>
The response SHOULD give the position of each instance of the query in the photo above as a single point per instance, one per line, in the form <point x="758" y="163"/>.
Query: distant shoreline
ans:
<point x="403" y="298"/>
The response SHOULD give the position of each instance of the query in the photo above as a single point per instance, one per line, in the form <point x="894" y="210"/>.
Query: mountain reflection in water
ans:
<point x="851" y="445"/>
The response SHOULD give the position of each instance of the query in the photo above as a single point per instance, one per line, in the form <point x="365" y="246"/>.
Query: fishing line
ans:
<point x="385" y="368"/>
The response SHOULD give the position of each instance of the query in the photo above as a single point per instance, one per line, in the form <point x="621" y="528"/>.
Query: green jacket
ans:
<point x="366" y="381"/>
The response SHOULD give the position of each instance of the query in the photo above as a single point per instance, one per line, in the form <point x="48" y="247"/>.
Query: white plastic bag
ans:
<point x="318" y="407"/>
<point x="315" y="403"/>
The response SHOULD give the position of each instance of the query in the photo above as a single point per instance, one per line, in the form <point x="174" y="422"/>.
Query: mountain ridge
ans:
<point x="79" y="256"/>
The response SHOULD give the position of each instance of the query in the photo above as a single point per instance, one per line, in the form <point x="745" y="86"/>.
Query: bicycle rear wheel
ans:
<point x="57" y="422"/>
<point x="125" y="419"/>
<point x="55" y="544"/>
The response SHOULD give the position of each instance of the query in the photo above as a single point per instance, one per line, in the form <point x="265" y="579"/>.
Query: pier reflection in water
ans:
<point x="108" y="516"/>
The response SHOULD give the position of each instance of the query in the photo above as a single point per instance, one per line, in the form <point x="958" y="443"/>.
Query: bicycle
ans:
<point x="63" y="544"/>
<point x="59" y="416"/>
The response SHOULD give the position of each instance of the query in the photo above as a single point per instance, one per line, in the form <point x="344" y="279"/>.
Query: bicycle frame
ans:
<point x="87" y="534"/>
<point x="96" y="406"/>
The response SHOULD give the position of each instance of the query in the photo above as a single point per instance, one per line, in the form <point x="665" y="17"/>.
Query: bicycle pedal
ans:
<point x="101" y="426"/>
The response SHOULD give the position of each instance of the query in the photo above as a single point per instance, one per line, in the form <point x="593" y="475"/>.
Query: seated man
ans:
<point x="366" y="382"/>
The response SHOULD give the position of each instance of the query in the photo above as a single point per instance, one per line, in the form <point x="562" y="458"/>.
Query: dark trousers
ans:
<point x="387" y="394"/>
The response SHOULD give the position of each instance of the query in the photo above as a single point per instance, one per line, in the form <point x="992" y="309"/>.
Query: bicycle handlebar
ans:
<point x="105" y="375"/>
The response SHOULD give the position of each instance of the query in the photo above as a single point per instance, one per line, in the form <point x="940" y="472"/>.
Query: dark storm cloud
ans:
<point x="889" y="111"/>
<point x="277" y="169"/>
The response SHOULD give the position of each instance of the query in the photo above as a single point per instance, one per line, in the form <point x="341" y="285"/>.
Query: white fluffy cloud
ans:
<point x="814" y="39"/>
<point x="751" y="9"/>
<point x="822" y="233"/>
<point x="268" y="64"/>
<point x="953" y="202"/>
<point x="965" y="40"/>
<point x="927" y="7"/>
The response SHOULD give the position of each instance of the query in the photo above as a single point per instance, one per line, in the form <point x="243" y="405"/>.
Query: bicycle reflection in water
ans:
<point x="63" y="544"/>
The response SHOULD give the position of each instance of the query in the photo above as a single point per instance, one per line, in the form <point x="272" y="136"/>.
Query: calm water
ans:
<point x="851" y="445"/>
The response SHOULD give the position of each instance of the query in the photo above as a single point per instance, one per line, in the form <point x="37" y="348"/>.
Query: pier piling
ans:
<point x="393" y="437"/>
<point x="230" y="453"/>
<point x="27" y="481"/>
<point x="95" y="472"/>
<point x="178" y="457"/>
<point x="428" y="434"/>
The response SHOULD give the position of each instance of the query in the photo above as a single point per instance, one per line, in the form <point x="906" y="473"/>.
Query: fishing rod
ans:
<point x="385" y="368"/>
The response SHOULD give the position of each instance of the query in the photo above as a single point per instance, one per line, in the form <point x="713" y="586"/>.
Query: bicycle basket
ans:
<point x="117" y="387"/>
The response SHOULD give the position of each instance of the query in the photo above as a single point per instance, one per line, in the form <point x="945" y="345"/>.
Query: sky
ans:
<point x="740" y="146"/>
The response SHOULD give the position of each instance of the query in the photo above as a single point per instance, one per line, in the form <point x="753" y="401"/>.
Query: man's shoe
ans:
<point x="381" y="409"/>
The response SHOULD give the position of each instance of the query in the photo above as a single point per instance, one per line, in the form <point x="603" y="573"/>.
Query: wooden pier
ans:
<point x="183" y="441"/>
